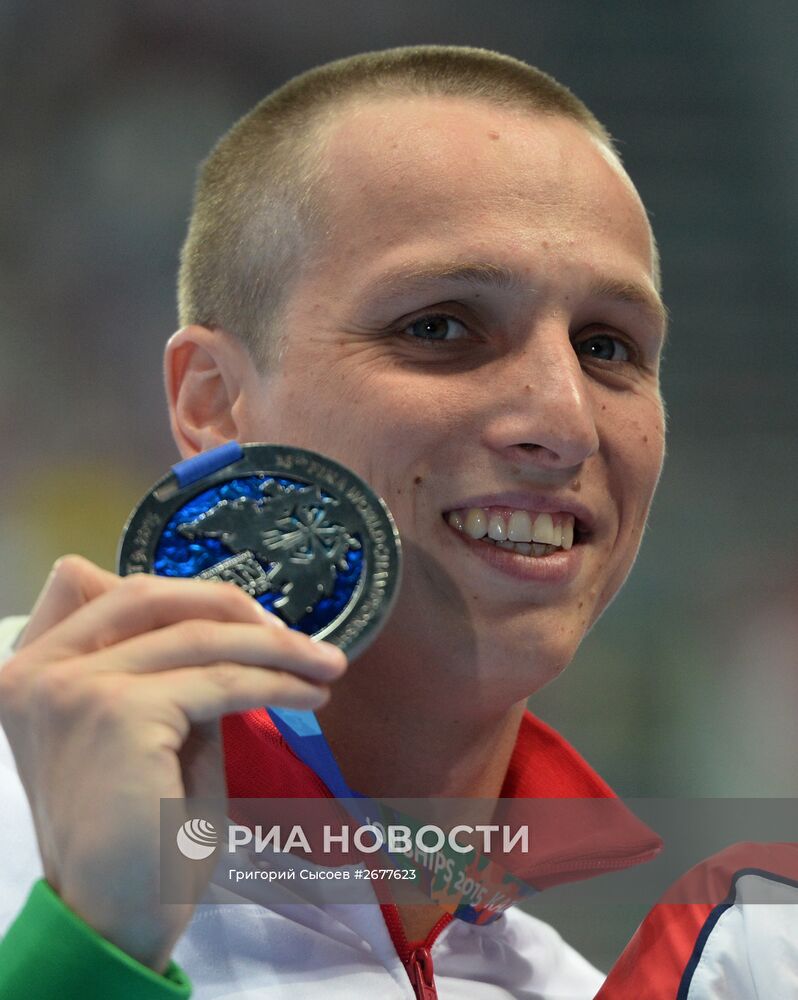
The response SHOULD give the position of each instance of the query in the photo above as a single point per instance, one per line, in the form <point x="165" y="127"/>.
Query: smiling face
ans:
<point x="477" y="335"/>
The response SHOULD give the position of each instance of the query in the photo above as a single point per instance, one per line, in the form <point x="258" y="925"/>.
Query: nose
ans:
<point x="542" y="408"/>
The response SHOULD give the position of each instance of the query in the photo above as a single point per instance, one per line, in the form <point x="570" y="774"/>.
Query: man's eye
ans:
<point x="603" y="347"/>
<point x="435" y="328"/>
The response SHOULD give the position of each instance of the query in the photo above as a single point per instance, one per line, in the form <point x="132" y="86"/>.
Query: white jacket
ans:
<point x="343" y="951"/>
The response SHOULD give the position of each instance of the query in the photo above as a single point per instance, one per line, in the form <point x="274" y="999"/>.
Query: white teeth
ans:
<point x="543" y="529"/>
<point x="516" y="531"/>
<point x="455" y="520"/>
<point x="497" y="529"/>
<point x="519" y="528"/>
<point x="476" y="522"/>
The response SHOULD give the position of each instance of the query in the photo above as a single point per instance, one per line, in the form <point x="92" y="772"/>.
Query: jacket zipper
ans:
<point x="422" y="975"/>
<point x="416" y="955"/>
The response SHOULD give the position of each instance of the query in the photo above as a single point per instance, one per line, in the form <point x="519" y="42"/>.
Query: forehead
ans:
<point x="436" y="165"/>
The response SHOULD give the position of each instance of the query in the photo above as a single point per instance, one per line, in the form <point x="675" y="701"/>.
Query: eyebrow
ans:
<point x="476" y="273"/>
<point x="486" y="275"/>
<point x="632" y="293"/>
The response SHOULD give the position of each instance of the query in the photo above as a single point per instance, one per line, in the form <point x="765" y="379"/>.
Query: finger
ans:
<point x="73" y="582"/>
<point x="195" y="643"/>
<point x="206" y="693"/>
<point x="142" y="603"/>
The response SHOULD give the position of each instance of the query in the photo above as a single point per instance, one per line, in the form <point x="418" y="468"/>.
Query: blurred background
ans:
<point x="689" y="684"/>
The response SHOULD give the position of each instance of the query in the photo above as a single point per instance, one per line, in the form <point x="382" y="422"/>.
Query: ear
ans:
<point x="205" y="372"/>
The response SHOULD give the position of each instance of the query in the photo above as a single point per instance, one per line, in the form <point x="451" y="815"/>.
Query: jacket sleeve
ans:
<point x="10" y="632"/>
<point x="727" y="929"/>
<point x="50" y="952"/>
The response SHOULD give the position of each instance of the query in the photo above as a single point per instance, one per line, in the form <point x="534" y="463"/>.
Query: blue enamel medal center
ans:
<point x="289" y="544"/>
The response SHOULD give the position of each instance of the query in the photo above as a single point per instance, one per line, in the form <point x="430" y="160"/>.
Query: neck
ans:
<point x="394" y="738"/>
<point x="396" y="733"/>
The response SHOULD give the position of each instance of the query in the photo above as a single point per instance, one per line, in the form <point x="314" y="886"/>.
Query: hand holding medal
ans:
<point x="131" y="671"/>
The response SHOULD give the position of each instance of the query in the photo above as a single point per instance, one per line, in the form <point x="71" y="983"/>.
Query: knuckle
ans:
<point x="301" y="689"/>
<point x="21" y="683"/>
<point x="139" y="586"/>
<point x="145" y="591"/>
<point x="226" y="676"/>
<point x="274" y="619"/>
<point x="288" y="640"/>
<point x="235" y="598"/>
<point x="197" y="634"/>
<point x="60" y="693"/>
<point x="70" y="567"/>
<point x="57" y="677"/>
<point x="56" y="690"/>
<point x="231" y="600"/>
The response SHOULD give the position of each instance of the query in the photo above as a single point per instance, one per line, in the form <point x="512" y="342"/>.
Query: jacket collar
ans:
<point x="260" y="764"/>
<point x="589" y="834"/>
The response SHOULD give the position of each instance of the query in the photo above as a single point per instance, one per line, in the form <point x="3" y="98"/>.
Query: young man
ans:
<point x="430" y="265"/>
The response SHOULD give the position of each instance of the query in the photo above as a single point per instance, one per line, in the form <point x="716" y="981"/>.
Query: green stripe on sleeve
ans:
<point x="50" y="952"/>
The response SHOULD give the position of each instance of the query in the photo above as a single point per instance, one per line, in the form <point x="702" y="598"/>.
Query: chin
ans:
<point x="515" y="671"/>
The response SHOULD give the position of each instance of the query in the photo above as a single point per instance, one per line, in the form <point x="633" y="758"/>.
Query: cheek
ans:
<point x="639" y="450"/>
<point x="652" y="439"/>
<point x="385" y="429"/>
<point x="634" y="448"/>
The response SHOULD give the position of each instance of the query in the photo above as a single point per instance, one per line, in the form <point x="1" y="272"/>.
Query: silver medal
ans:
<point x="300" y="533"/>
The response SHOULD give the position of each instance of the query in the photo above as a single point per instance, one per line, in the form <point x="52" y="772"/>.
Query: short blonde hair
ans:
<point x="257" y="200"/>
